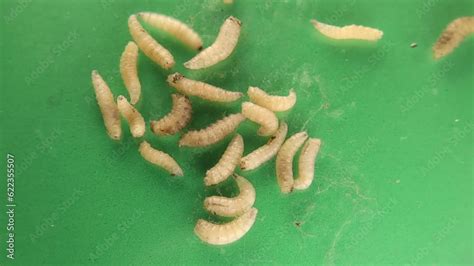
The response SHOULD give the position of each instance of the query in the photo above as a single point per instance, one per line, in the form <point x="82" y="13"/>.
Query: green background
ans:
<point x="394" y="176"/>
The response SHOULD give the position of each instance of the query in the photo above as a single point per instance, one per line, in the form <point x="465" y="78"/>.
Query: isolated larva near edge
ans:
<point x="262" y="116"/>
<point x="265" y="152"/>
<point x="148" y="45"/>
<point x="272" y="102"/>
<point x="227" y="163"/>
<point x="177" y="119"/>
<point x="235" y="206"/>
<point x="452" y="36"/>
<point x="306" y="164"/>
<point x="173" y="26"/>
<point x="221" y="234"/>
<point x="134" y="118"/>
<point x="160" y="159"/>
<point x="107" y="105"/>
<point x="221" y="48"/>
<point x="284" y="161"/>
<point x="200" y="89"/>
<point x="213" y="133"/>
<point x="129" y="73"/>
<point x="354" y="32"/>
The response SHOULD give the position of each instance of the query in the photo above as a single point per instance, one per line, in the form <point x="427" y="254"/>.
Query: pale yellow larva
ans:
<point x="173" y="26"/>
<point x="262" y="116"/>
<point x="222" y="234"/>
<point x="354" y="32"/>
<point x="160" y="158"/>
<point x="306" y="164"/>
<point x="272" y="102"/>
<point x="284" y="161"/>
<point x="107" y="105"/>
<point x="228" y="2"/>
<point x="134" y="118"/>
<point x="200" y="89"/>
<point x="149" y="45"/>
<point x="227" y="163"/>
<point x="235" y="206"/>
<point x="265" y="152"/>
<point x="213" y="133"/>
<point x="129" y="73"/>
<point x="452" y="36"/>
<point x="222" y="47"/>
<point x="177" y="119"/>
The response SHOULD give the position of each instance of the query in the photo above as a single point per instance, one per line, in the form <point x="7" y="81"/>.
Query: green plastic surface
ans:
<point x="394" y="176"/>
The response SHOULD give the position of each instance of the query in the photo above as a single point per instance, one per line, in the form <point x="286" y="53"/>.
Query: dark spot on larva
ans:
<point x="236" y="20"/>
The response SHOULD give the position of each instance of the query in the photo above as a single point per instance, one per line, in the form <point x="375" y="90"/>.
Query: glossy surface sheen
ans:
<point x="376" y="197"/>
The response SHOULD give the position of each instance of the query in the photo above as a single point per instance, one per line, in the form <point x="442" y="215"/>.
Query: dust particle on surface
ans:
<point x="413" y="45"/>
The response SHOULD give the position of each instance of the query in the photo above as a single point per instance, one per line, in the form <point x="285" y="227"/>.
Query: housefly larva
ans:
<point x="107" y="105"/>
<point x="222" y="47"/>
<point x="227" y="163"/>
<point x="177" y="119"/>
<point x="150" y="47"/>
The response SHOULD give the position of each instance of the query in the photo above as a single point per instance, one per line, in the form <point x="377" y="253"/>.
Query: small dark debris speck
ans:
<point x="413" y="45"/>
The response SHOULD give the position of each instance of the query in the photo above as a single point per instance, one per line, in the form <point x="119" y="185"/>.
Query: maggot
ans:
<point x="232" y="207"/>
<point x="221" y="234"/>
<point x="149" y="45"/>
<point x="227" y="163"/>
<point x="354" y="32"/>
<point x="134" y="118"/>
<point x="202" y="90"/>
<point x="272" y="102"/>
<point x="222" y="47"/>
<point x="177" y="119"/>
<point x="107" y="105"/>
<point x="129" y="73"/>
<point x="262" y="116"/>
<point x="160" y="158"/>
<point x="213" y="133"/>
<point x="284" y="161"/>
<point x="452" y="36"/>
<point x="306" y="164"/>
<point x="265" y="152"/>
<point x="174" y="27"/>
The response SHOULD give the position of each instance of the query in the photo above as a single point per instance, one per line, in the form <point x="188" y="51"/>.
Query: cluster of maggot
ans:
<point x="260" y="109"/>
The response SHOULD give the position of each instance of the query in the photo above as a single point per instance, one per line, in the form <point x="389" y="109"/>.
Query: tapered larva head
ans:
<point x="235" y="20"/>
<point x="173" y="78"/>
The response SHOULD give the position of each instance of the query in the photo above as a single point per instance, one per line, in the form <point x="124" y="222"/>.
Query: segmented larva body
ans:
<point x="174" y="27"/>
<point x="148" y="45"/>
<point x="213" y="133"/>
<point x="232" y="207"/>
<point x="129" y="73"/>
<point x="306" y="164"/>
<point x="267" y="151"/>
<point x="221" y="48"/>
<point x="227" y="163"/>
<point x="452" y="36"/>
<point x="284" y="161"/>
<point x="272" y="102"/>
<point x="200" y="89"/>
<point x="221" y="234"/>
<point x="134" y="118"/>
<point x="262" y="116"/>
<point x="107" y="105"/>
<point x="177" y="119"/>
<point x="160" y="159"/>
<point x="354" y="32"/>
